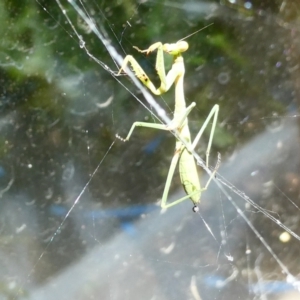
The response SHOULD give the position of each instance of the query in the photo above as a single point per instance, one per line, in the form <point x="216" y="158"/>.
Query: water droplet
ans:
<point x="223" y="77"/>
<point x="284" y="237"/>
<point x="81" y="43"/>
<point x="49" y="193"/>
<point x="68" y="172"/>
<point x="274" y="123"/>
<point x="254" y="173"/>
<point x="267" y="189"/>
<point x="248" y="5"/>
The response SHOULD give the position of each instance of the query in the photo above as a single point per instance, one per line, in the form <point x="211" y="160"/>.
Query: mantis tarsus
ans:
<point x="187" y="165"/>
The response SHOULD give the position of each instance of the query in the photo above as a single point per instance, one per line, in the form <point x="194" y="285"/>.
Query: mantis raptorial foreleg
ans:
<point x="183" y="156"/>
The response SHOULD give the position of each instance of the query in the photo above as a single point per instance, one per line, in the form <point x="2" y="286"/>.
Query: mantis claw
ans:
<point x="120" y="138"/>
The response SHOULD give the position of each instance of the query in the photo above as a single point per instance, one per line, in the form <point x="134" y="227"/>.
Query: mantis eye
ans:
<point x="182" y="46"/>
<point x="195" y="209"/>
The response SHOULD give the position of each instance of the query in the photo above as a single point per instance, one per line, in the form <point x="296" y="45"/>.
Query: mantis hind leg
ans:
<point x="213" y="113"/>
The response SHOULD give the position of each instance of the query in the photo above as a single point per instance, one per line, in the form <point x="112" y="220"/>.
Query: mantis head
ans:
<point x="176" y="48"/>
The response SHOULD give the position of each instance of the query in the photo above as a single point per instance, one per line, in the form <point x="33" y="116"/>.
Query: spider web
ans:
<point x="97" y="230"/>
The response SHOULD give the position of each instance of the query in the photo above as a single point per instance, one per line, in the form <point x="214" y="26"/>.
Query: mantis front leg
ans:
<point x="140" y="73"/>
<point x="166" y="81"/>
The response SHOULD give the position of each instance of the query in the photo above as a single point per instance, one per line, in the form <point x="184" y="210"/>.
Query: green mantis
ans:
<point x="187" y="165"/>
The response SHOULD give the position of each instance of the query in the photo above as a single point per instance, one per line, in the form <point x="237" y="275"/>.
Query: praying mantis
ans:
<point x="183" y="154"/>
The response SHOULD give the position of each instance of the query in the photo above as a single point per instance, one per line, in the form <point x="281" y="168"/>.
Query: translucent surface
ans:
<point x="79" y="209"/>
